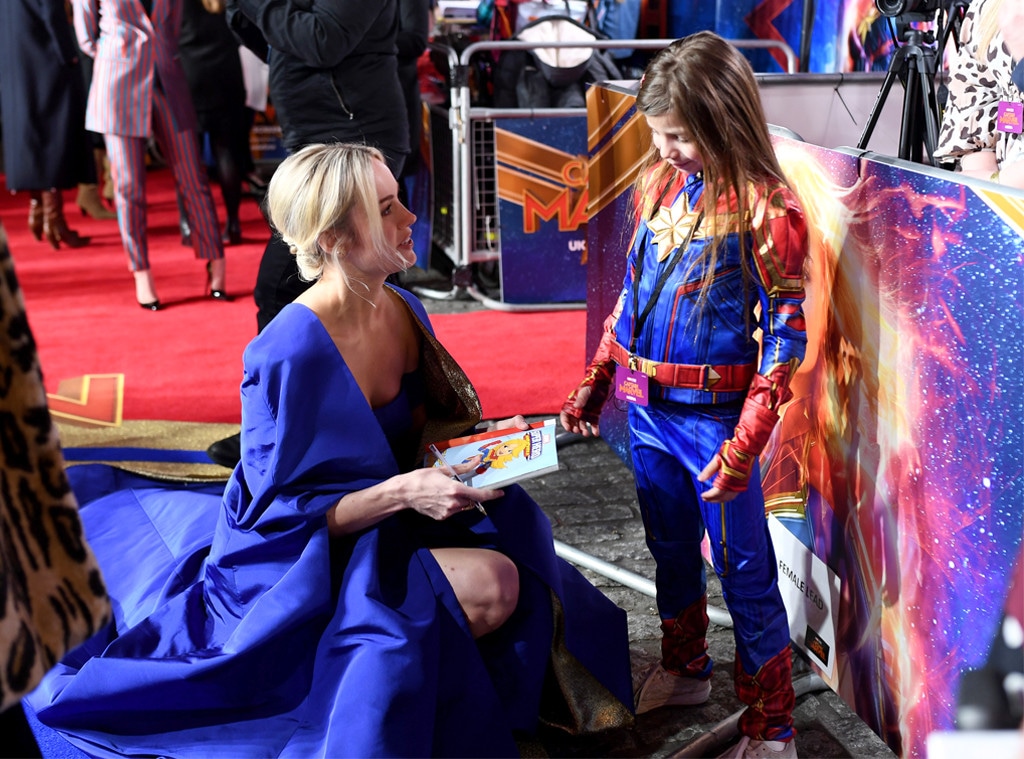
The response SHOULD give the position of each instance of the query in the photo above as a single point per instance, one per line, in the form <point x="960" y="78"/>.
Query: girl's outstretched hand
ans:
<point x="572" y="414"/>
<point x="715" y="495"/>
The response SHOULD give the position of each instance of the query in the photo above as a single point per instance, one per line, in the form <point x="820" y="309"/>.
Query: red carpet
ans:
<point x="184" y="363"/>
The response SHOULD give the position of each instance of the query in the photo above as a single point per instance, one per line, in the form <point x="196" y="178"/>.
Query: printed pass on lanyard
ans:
<point x="1010" y="117"/>
<point x="630" y="385"/>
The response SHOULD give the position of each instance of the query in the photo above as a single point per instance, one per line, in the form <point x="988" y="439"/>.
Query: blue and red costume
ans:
<point x="714" y="390"/>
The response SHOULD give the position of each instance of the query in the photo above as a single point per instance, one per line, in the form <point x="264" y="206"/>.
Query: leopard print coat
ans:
<point x="52" y="595"/>
<point x="975" y="89"/>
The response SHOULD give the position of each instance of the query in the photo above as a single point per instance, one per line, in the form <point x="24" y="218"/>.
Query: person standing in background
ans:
<point x="414" y="24"/>
<point x="138" y="87"/>
<point x="982" y="122"/>
<point x="209" y="55"/>
<point x="333" y="78"/>
<point x="42" y="99"/>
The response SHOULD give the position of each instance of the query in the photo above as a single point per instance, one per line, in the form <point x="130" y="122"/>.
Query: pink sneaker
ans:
<point x="662" y="688"/>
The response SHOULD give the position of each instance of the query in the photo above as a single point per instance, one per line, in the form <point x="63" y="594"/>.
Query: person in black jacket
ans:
<point x="333" y="70"/>
<point x="413" y="33"/>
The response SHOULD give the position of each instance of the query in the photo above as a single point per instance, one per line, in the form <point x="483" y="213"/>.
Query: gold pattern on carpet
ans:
<point x="147" y="435"/>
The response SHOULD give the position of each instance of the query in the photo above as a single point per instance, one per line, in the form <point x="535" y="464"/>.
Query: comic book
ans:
<point x="509" y="455"/>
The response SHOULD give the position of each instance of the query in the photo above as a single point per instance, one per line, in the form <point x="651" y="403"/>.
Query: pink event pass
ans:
<point x="1010" y="117"/>
<point x="630" y="385"/>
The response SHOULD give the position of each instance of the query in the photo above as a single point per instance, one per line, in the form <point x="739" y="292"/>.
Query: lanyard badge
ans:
<point x="631" y="385"/>
<point x="1010" y="117"/>
<point x="673" y="231"/>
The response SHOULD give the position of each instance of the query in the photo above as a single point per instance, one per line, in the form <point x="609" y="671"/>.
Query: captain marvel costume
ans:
<point x="242" y="629"/>
<point x="713" y="391"/>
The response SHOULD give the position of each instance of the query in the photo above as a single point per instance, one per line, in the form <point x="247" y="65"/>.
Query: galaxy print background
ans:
<point x="899" y="461"/>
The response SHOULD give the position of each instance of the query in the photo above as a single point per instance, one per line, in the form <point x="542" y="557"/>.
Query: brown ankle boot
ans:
<point x="88" y="202"/>
<point x="35" y="215"/>
<point x="55" y="226"/>
<point x="103" y="173"/>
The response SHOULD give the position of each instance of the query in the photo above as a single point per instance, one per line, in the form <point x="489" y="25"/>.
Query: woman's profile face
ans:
<point x="396" y="219"/>
<point x="675" y="143"/>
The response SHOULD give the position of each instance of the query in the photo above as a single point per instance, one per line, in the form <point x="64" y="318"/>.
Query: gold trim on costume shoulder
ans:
<point x="781" y="270"/>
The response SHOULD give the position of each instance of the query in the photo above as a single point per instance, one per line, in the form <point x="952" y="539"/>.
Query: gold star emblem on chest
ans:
<point x="672" y="225"/>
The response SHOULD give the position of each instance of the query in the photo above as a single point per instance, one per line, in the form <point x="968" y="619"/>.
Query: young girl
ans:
<point x="718" y="252"/>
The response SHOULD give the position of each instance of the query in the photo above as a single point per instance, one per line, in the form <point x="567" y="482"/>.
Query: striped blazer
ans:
<point x="128" y="48"/>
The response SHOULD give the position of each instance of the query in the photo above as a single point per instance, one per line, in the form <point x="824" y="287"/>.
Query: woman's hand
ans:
<point x="432" y="491"/>
<point x="439" y="495"/>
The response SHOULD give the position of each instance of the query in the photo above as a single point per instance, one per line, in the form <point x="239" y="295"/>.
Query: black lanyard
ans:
<point x="639" y="321"/>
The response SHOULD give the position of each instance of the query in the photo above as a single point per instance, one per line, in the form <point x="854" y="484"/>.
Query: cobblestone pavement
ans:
<point x="592" y="506"/>
<point x="591" y="503"/>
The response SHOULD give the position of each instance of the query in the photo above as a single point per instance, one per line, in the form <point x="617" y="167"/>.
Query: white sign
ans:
<point x="810" y="592"/>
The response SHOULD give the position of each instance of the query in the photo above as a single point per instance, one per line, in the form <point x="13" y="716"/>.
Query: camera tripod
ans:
<point x="914" y="65"/>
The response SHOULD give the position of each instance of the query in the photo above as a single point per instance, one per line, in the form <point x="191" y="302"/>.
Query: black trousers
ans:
<point x="277" y="281"/>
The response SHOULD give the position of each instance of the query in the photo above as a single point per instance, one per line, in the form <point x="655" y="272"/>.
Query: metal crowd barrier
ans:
<point x="467" y="230"/>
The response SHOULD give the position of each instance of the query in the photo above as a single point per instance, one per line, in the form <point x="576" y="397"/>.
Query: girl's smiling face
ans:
<point x="675" y="144"/>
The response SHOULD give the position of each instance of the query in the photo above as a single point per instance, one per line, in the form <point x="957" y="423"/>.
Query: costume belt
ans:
<point x="732" y="378"/>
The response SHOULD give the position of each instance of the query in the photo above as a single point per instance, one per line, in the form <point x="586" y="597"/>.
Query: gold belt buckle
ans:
<point x="709" y="377"/>
<point x="638" y="364"/>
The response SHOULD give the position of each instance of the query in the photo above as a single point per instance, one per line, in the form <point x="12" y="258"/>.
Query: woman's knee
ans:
<point x="486" y="584"/>
<point x="499" y="594"/>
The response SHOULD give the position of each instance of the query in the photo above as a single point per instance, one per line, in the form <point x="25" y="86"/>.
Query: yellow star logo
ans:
<point x="672" y="226"/>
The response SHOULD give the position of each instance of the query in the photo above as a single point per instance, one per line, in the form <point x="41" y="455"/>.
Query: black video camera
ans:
<point x="904" y="7"/>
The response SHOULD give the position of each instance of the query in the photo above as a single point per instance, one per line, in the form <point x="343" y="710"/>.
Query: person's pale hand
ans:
<point x="1011" y="22"/>
<point x="714" y="495"/>
<point x="515" y="422"/>
<point x="438" y="495"/>
<point x="574" y="423"/>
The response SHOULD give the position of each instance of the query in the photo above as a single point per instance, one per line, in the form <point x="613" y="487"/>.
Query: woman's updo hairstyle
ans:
<point x="325" y="189"/>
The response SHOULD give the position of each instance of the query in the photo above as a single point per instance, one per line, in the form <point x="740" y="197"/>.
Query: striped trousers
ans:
<point x="180" y="147"/>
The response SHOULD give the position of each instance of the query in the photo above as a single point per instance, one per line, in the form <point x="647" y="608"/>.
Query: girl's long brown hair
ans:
<point x="709" y="87"/>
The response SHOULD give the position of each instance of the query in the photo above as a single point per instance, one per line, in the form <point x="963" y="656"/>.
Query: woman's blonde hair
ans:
<point x="322" y="200"/>
<point x="988" y="27"/>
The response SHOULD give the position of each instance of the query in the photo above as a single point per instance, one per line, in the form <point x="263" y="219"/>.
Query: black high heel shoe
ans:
<point x="220" y="295"/>
<point x="151" y="306"/>
<point x="232" y="234"/>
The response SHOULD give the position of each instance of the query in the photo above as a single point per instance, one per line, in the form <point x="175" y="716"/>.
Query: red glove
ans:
<point x="599" y="377"/>
<point x="757" y="420"/>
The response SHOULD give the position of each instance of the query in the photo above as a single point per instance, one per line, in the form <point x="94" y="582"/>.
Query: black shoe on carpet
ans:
<point x="226" y="452"/>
